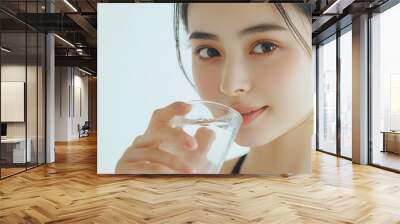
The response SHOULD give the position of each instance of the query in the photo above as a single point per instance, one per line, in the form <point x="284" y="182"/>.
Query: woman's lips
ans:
<point x="250" y="114"/>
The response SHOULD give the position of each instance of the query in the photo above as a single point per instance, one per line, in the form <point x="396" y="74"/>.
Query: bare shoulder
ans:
<point x="228" y="166"/>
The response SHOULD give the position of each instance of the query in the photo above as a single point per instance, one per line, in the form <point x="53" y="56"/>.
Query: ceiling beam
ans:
<point x="337" y="7"/>
<point x="83" y="61"/>
<point x="84" y="24"/>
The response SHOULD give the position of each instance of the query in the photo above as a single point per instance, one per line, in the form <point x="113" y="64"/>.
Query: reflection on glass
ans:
<point x="386" y="89"/>
<point x="13" y="71"/>
<point x="41" y="97"/>
<point x="31" y="101"/>
<point x="327" y="96"/>
<point x="346" y="94"/>
<point x="33" y="42"/>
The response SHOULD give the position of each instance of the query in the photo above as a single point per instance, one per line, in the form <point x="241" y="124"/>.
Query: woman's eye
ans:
<point x="263" y="48"/>
<point x="208" y="52"/>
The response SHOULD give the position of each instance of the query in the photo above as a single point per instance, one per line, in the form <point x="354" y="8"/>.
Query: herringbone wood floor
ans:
<point x="70" y="191"/>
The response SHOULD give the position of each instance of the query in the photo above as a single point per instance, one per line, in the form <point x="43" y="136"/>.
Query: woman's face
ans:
<point x="245" y="56"/>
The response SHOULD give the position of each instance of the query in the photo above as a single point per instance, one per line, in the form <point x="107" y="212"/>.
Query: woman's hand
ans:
<point x="148" y="153"/>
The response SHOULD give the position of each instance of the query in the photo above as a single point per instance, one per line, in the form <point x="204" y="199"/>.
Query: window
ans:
<point x="22" y="74"/>
<point x="346" y="93"/>
<point x="385" y="89"/>
<point x="327" y="96"/>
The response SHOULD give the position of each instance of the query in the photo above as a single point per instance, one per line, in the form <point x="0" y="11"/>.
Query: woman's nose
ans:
<point x="235" y="79"/>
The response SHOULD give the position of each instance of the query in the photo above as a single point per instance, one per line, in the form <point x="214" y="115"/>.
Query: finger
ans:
<point x="162" y="116"/>
<point x="204" y="137"/>
<point x="158" y="156"/>
<point x="144" y="167"/>
<point x="167" y="136"/>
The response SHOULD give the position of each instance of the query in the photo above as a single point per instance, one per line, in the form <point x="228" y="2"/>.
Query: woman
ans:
<point x="255" y="58"/>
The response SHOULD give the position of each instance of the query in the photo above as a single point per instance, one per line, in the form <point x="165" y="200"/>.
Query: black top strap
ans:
<point x="238" y="165"/>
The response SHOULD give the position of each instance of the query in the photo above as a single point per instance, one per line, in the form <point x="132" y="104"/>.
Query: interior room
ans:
<point x="49" y="128"/>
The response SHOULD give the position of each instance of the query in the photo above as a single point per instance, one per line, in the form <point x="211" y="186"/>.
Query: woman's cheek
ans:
<point x="207" y="82"/>
<point x="270" y="75"/>
<point x="283" y="80"/>
<point x="296" y="90"/>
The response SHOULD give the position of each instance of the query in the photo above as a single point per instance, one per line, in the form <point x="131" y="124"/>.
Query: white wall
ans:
<point x="67" y="81"/>
<point x="61" y="103"/>
<point x="80" y="83"/>
<point x="12" y="73"/>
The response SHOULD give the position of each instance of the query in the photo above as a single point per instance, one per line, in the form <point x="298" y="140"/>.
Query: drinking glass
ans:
<point x="224" y="122"/>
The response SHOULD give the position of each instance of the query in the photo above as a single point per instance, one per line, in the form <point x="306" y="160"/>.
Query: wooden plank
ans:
<point x="70" y="191"/>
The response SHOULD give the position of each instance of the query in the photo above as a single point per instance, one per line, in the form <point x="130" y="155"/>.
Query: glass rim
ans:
<point x="230" y="109"/>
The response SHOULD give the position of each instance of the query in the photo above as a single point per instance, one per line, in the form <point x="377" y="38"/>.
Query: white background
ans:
<point x="137" y="73"/>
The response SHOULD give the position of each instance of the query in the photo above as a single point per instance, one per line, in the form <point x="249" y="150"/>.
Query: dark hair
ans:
<point x="181" y="12"/>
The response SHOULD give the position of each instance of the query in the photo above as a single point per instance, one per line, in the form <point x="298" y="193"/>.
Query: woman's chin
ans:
<point x="256" y="137"/>
<point x="250" y="140"/>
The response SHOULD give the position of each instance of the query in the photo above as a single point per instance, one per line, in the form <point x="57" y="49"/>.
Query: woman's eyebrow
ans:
<point x="261" y="28"/>
<point x="253" y="29"/>
<point x="203" y="35"/>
